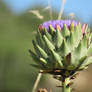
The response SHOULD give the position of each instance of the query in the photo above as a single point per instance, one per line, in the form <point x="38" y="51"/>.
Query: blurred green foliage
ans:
<point x="16" y="33"/>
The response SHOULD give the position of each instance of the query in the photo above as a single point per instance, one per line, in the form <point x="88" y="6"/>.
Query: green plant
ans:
<point x="62" y="48"/>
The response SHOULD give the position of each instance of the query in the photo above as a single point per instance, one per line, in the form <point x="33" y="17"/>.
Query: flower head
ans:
<point x="60" y="23"/>
<point x="64" y="45"/>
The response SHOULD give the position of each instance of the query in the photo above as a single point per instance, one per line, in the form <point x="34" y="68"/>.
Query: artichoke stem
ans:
<point x="65" y="85"/>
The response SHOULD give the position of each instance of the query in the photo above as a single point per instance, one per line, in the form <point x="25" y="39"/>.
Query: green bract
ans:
<point x="67" y="50"/>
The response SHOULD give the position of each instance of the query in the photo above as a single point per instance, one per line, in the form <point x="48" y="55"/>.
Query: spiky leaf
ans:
<point x="81" y="61"/>
<point x="51" y="29"/>
<point x="87" y="62"/>
<point x="65" y="31"/>
<point x="59" y="38"/>
<point x="48" y="43"/>
<point x="72" y="27"/>
<point x="39" y="39"/>
<point x="35" y="48"/>
<point x="89" y="52"/>
<point x="42" y="52"/>
<point x="57" y="58"/>
<point x="79" y="31"/>
<point x="43" y="60"/>
<point x="64" y="49"/>
<point x="47" y="34"/>
<point x="71" y="41"/>
<point x="79" y="52"/>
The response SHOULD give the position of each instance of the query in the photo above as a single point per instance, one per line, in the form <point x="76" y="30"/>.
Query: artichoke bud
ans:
<point x="64" y="45"/>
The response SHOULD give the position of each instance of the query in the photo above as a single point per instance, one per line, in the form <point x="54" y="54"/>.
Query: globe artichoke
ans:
<point x="62" y="47"/>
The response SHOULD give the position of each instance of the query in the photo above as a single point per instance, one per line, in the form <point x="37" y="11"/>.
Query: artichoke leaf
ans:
<point x="65" y="31"/>
<point x="48" y="43"/>
<point x="59" y="38"/>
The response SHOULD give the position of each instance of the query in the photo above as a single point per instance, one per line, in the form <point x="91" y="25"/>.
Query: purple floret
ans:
<point x="61" y="23"/>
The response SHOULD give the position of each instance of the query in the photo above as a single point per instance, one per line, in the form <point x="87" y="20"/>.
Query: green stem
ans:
<point x="65" y="86"/>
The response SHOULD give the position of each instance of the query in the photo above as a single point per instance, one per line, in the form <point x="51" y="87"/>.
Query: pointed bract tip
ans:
<point x="72" y="26"/>
<point x="58" y="27"/>
<point x="83" y="28"/>
<point x="40" y="28"/>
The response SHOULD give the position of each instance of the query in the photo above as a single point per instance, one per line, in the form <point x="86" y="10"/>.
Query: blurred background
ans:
<point x="19" y="20"/>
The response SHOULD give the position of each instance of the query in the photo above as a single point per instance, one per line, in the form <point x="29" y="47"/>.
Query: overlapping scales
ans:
<point x="68" y="48"/>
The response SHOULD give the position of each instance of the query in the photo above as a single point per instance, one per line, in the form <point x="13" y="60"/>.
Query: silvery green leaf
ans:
<point x="89" y="52"/>
<point x="47" y="34"/>
<point x="48" y="43"/>
<point x="51" y="29"/>
<point x="64" y="49"/>
<point x="57" y="58"/>
<point x="87" y="62"/>
<point x="43" y="60"/>
<point x="41" y="52"/>
<point x="59" y="38"/>
<point x="65" y="31"/>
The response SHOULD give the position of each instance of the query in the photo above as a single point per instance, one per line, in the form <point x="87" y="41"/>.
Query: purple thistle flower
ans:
<point x="60" y="23"/>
